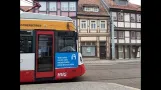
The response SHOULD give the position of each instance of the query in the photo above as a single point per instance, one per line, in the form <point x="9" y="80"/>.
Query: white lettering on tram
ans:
<point x="63" y="74"/>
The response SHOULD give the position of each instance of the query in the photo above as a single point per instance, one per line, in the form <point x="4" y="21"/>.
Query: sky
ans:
<point x="24" y="3"/>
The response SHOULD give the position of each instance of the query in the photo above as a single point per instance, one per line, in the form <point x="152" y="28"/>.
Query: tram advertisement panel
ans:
<point x="66" y="60"/>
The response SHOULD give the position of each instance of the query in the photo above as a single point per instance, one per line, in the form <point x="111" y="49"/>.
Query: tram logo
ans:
<point x="63" y="74"/>
<point x="73" y="57"/>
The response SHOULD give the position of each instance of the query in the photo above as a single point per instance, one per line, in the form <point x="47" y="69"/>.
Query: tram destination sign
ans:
<point x="66" y="60"/>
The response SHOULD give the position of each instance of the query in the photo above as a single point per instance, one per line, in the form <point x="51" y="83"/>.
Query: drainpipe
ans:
<point x="111" y="27"/>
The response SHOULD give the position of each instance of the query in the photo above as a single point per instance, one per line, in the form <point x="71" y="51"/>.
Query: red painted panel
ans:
<point x="49" y="73"/>
<point x="44" y="74"/>
<point x="83" y="69"/>
<point x="27" y="76"/>
<point x="69" y="73"/>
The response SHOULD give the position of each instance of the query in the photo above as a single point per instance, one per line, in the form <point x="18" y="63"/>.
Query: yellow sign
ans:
<point x="50" y="25"/>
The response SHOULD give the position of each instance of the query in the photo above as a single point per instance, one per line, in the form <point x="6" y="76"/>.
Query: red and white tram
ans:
<point x="48" y="48"/>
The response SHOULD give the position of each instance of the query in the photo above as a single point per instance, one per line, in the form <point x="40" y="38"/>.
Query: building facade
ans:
<point x="59" y="7"/>
<point x="127" y="30"/>
<point x="93" y="28"/>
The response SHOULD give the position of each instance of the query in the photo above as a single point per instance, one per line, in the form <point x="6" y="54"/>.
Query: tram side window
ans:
<point x="26" y="41"/>
<point x="25" y="44"/>
<point x="66" y="42"/>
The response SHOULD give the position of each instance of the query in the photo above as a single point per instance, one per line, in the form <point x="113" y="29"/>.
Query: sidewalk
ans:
<point x="77" y="86"/>
<point x="86" y="61"/>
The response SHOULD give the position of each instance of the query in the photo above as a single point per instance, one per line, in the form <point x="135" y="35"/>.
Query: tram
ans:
<point x="48" y="48"/>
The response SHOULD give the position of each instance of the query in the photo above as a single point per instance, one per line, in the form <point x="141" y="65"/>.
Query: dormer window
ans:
<point x="91" y="9"/>
<point x="121" y="2"/>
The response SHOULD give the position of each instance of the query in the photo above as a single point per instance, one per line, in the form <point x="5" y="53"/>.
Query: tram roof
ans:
<point x="39" y="16"/>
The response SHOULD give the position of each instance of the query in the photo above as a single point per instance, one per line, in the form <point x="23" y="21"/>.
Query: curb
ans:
<point x="109" y="61"/>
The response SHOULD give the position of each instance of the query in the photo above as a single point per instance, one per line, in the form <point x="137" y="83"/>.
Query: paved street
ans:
<point x="99" y="76"/>
<point x="125" y="73"/>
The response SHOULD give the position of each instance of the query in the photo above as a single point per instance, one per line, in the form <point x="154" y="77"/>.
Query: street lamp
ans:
<point x="112" y="38"/>
<point x="112" y="29"/>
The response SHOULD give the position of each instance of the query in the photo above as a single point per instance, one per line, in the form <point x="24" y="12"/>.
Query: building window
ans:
<point x="86" y="9"/>
<point x="83" y="24"/>
<point x="72" y="6"/>
<point x="138" y="35"/>
<point x="132" y="18"/>
<point x="127" y="17"/>
<point x="88" y="51"/>
<point x="74" y="21"/>
<point x="138" y="18"/>
<point x="121" y="34"/>
<point x="91" y="9"/>
<point x="52" y="6"/>
<point x="64" y="6"/>
<point x="88" y="48"/>
<point x="121" y="52"/>
<point x="114" y="15"/>
<point x="96" y="10"/>
<point x="102" y="24"/>
<point x="83" y="43"/>
<point x="133" y="35"/>
<point x="115" y="34"/>
<point x="121" y="2"/>
<point x="120" y="16"/>
<point x="43" y="6"/>
<point x="93" y="25"/>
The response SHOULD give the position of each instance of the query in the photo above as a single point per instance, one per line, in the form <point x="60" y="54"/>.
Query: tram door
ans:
<point x="44" y="54"/>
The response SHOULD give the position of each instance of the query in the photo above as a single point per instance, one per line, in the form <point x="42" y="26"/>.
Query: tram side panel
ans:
<point x="27" y="67"/>
<point x="69" y="73"/>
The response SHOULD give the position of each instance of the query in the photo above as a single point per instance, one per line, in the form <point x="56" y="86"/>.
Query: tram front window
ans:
<point x="66" y="42"/>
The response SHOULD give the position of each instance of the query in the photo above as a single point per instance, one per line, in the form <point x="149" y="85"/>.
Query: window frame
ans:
<point x="55" y="3"/>
<point x="96" y="9"/>
<point x="133" y="35"/>
<point x="62" y="6"/>
<point x="101" y="24"/>
<point x="75" y="22"/>
<point x="113" y="15"/>
<point x="115" y="34"/>
<point x="65" y="37"/>
<point x="44" y="10"/>
<point x="138" y="35"/>
<point x="137" y="18"/>
<point x="84" y="23"/>
<point x="121" y="17"/>
<point x="27" y="40"/>
<point x="94" y="23"/>
<point x="125" y="17"/>
<point x="72" y="7"/>
<point x="133" y="21"/>
<point x="123" y="36"/>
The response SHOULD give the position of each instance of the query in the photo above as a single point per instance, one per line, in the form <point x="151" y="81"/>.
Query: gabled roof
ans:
<point x="91" y="3"/>
<point x="39" y="16"/>
<point x="26" y="8"/>
<point x="129" y="6"/>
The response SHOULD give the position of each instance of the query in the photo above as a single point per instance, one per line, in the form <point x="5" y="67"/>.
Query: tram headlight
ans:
<point x="81" y="60"/>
